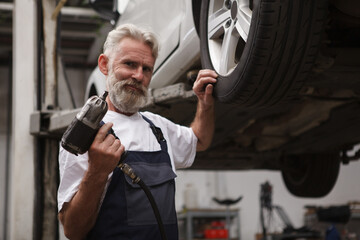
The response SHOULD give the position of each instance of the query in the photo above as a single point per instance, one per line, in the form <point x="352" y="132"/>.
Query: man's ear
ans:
<point x="103" y="62"/>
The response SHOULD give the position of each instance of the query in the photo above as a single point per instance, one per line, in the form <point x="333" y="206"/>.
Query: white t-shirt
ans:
<point x="135" y="134"/>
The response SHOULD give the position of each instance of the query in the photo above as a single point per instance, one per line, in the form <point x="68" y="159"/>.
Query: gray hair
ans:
<point x="131" y="31"/>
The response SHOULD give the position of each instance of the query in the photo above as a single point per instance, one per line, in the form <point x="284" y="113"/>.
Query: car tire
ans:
<point x="311" y="175"/>
<point x="262" y="52"/>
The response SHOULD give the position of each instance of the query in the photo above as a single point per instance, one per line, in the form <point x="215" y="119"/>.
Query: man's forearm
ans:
<point x="203" y="126"/>
<point x="79" y="215"/>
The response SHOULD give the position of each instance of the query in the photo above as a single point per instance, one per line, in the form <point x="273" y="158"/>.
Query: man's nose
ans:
<point x="138" y="74"/>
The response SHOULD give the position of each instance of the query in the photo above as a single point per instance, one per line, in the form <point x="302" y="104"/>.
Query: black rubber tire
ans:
<point x="311" y="175"/>
<point x="281" y="47"/>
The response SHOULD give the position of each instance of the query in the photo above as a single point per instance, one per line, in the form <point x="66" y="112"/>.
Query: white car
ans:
<point x="281" y="104"/>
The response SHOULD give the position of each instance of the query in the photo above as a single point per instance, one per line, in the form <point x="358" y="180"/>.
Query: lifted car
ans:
<point x="289" y="80"/>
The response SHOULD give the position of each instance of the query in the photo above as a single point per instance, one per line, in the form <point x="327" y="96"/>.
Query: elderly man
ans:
<point x="95" y="199"/>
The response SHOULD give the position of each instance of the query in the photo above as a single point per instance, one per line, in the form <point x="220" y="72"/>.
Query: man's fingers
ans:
<point x="209" y="89"/>
<point x="112" y="142"/>
<point x="207" y="73"/>
<point x="204" y="78"/>
<point x="109" y="140"/>
<point x="103" y="132"/>
<point x="120" y="150"/>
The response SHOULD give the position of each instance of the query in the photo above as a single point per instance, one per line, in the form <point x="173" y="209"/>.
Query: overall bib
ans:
<point x="126" y="212"/>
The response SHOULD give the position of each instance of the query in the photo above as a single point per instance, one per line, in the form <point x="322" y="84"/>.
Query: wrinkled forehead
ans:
<point x="130" y="50"/>
<point x="129" y="47"/>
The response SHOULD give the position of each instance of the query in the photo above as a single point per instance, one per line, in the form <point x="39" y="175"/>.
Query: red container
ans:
<point x="216" y="233"/>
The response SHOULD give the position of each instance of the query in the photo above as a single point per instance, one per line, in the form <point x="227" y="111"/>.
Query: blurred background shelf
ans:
<point x="196" y="224"/>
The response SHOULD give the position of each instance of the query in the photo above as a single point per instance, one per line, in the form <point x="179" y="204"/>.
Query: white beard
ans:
<point x="126" y="100"/>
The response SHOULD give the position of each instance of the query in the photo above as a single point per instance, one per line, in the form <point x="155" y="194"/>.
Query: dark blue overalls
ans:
<point x="126" y="212"/>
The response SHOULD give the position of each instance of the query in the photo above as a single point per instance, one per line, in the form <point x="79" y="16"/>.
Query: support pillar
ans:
<point x="22" y="193"/>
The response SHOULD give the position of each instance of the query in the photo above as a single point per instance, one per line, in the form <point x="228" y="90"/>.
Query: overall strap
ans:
<point x="157" y="132"/>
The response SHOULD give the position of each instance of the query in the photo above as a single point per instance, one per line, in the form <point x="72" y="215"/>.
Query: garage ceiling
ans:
<point x="81" y="34"/>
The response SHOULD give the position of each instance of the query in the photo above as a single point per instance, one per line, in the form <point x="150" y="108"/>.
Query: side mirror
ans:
<point x="106" y="8"/>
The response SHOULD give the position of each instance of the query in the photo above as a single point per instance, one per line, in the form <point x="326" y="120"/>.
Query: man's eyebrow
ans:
<point x="127" y="59"/>
<point x="148" y="65"/>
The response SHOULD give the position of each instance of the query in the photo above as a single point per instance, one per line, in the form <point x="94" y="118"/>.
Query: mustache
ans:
<point x="133" y="84"/>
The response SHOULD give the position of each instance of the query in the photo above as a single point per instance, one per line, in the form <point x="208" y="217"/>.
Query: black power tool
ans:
<point x="80" y="134"/>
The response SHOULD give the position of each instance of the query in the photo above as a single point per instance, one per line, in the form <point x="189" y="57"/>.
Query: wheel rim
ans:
<point x="228" y="28"/>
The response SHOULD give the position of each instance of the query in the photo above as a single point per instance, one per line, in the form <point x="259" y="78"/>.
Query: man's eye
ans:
<point x="130" y="64"/>
<point x="147" y="69"/>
